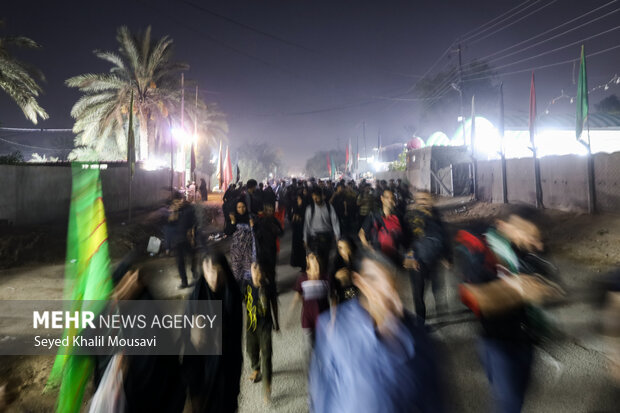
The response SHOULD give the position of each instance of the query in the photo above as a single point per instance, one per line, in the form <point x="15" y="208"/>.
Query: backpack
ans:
<point x="329" y="209"/>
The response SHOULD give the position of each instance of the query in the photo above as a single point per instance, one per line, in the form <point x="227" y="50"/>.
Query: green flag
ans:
<point x="131" y="141"/>
<point x="87" y="277"/>
<point x="582" y="95"/>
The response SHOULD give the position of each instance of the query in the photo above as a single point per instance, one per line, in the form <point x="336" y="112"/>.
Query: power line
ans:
<point x="549" y="51"/>
<point x="551" y="30"/>
<point x="468" y="38"/>
<point x="248" y="27"/>
<point x="34" y="147"/>
<point x="513" y="23"/>
<point x="495" y="18"/>
<point x="550" y="38"/>
<point x="546" y="66"/>
<point x="34" y="130"/>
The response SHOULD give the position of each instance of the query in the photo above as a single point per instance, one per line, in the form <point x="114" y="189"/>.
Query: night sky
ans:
<point x="304" y="74"/>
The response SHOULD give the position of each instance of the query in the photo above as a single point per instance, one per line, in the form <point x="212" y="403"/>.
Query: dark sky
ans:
<point x="305" y="74"/>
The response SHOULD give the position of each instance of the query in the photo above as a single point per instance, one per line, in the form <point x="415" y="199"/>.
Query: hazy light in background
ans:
<point x="181" y="135"/>
<point x="438" y="139"/>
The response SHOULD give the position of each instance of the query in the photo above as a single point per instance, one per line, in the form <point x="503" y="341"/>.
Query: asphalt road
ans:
<point x="568" y="375"/>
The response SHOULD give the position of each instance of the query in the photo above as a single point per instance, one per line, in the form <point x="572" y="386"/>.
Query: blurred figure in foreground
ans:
<point x="488" y="264"/>
<point x="213" y="381"/>
<point x="373" y="356"/>
<point x="428" y="245"/>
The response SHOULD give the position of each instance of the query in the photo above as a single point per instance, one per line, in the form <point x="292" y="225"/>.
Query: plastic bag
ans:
<point x="110" y="396"/>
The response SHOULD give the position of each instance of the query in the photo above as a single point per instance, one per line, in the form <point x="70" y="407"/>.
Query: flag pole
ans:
<point x="503" y="143"/>
<point x="183" y="123"/>
<point x="195" y="138"/>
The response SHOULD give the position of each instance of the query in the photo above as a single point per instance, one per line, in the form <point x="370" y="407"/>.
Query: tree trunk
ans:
<point x="144" y="138"/>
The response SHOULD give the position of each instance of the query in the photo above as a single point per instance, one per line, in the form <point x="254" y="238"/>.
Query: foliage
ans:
<point x="256" y="161"/>
<point x="146" y="66"/>
<point x="611" y="105"/>
<point x="42" y="158"/>
<point x="12" y="159"/>
<point x="19" y="79"/>
<point x="317" y="165"/>
<point x="109" y="152"/>
<point x="401" y="163"/>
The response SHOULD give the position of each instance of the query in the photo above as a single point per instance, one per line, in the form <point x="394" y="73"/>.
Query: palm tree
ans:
<point x="18" y="79"/>
<point x="143" y="65"/>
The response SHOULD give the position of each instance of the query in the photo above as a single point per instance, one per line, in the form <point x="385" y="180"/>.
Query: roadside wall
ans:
<point x="563" y="179"/>
<point x="35" y="194"/>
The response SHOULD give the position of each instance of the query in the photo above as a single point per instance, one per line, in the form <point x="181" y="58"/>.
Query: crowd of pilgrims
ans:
<point x="350" y="242"/>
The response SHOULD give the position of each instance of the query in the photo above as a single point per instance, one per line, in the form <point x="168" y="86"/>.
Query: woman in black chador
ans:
<point x="213" y="381"/>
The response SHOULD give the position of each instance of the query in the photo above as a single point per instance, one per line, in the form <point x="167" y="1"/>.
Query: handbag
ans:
<point x="110" y="395"/>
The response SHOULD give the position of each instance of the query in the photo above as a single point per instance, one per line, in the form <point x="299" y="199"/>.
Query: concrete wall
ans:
<point x="35" y="194"/>
<point x="563" y="180"/>
<point x="607" y="177"/>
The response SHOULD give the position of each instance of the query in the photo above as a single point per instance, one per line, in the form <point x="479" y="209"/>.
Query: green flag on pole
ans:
<point x="87" y="277"/>
<point x="582" y="95"/>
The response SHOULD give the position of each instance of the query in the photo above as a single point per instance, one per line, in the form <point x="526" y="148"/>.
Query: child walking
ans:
<point x="257" y="292"/>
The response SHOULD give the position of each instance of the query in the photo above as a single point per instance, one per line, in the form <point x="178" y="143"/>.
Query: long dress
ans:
<point x="214" y="380"/>
<point x="242" y="248"/>
<point x="298" y="251"/>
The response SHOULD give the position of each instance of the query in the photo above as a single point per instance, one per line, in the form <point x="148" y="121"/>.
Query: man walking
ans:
<point x="320" y="227"/>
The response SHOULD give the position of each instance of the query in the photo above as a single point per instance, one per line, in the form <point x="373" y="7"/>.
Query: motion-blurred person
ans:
<point x="312" y="289"/>
<point x="428" y="246"/>
<point x="150" y="382"/>
<point x="321" y="227"/>
<point x="365" y="203"/>
<point x="242" y="247"/>
<point x="267" y="229"/>
<point x="229" y="200"/>
<point x="373" y="356"/>
<point x="204" y="192"/>
<point x="296" y="218"/>
<point x="213" y="381"/>
<point x="610" y="300"/>
<point x="182" y="220"/>
<point x="259" y="325"/>
<point x="253" y="197"/>
<point x="342" y="272"/>
<point x="383" y="230"/>
<point x="506" y="343"/>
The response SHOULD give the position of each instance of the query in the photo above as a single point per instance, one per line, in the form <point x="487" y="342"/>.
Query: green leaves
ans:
<point x="17" y="79"/>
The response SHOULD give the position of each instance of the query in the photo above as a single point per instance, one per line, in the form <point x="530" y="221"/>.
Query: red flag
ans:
<point x="532" y="111"/>
<point x="329" y="166"/>
<point x="228" y="174"/>
<point x="219" y="173"/>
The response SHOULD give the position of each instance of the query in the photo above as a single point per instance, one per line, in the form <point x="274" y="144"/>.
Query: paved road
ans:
<point x="569" y="377"/>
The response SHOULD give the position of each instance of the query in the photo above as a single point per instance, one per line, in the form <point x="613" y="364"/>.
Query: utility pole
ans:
<point x="365" y="153"/>
<point x="461" y="94"/>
